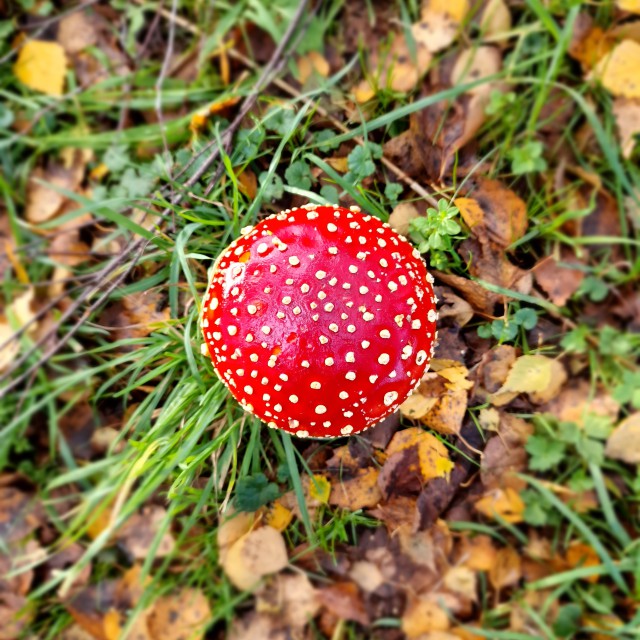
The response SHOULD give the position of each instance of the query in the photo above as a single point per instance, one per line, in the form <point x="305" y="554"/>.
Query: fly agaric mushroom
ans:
<point x="320" y="320"/>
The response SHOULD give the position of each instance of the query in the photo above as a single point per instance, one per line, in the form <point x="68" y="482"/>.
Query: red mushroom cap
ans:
<point x="320" y="320"/>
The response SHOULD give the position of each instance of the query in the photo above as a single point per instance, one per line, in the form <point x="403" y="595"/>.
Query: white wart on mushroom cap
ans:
<point x="320" y="320"/>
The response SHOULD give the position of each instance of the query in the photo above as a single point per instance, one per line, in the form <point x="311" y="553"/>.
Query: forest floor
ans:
<point x="137" y="499"/>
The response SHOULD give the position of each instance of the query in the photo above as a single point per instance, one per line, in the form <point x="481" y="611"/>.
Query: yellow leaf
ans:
<point x="624" y="442"/>
<point x="359" y="492"/>
<point x="310" y="63"/>
<point x="416" y="407"/>
<point x="505" y="503"/>
<point x="432" y="454"/>
<point x="319" y="489"/>
<point x="278" y="516"/>
<point x="424" y="616"/>
<point x="178" y="616"/>
<point x="440" y="23"/>
<point x="507" y="569"/>
<point x="19" y="313"/>
<point x="453" y="371"/>
<point x="618" y="72"/>
<point x="632" y="6"/>
<point x="41" y="66"/>
<point x="401" y="216"/>
<point x="529" y="374"/>
<point x="496" y="19"/>
<point x="461" y="580"/>
<point x="470" y="210"/>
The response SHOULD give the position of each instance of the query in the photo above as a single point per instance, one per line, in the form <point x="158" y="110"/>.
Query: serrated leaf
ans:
<point x="545" y="452"/>
<point x="252" y="492"/>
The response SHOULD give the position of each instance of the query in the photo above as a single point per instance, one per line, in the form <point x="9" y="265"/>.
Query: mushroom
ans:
<point x="320" y="320"/>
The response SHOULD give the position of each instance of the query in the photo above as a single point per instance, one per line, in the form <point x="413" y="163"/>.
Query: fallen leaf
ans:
<point x="44" y="198"/>
<point x="557" y="278"/>
<point x="477" y="553"/>
<point x="495" y="367"/>
<point x="580" y="554"/>
<point x="589" y="42"/>
<point x="138" y="535"/>
<point x="507" y="570"/>
<point x="433" y="455"/>
<point x="77" y="31"/>
<point x="447" y="414"/>
<point x="440" y="22"/>
<point x="179" y="615"/>
<point x="476" y="64"/>
<point x="462" y="581"/>
<point x="632" y="6"/>
<point x="232" y="528"/>
<point x="136" y="315"/>
<point x="256" y="625"/>
<point x="480" y="298"/>
<point x="424" y="616"/>
<point x="255" y="555"/>
<point x="366" y="575"/>
<point x="624" y="441"/>
<point x="536" y="375"/>
<point x="617" y="71"/>
<point x="578" y="400"/>
<point x="19" y="313"/>
<point x="290" y="598"/>
<point x="494" y="212"/>
<point x="454" y="372"/>
<point x="41" y="65"/>
<point x="15" y="615"/>
<point x="417" y="406"/>
<point x="359" y="492"/>
<point x="402" y="214"/>
<point x="495" y="20"/>
<point x="627" y="115"/>
<point x="457" y="308"/>
<point x="310" y="63"/>
<point x="344" y="601"/>
<point x="278" y="516"/>
<point x="501" y="504"/>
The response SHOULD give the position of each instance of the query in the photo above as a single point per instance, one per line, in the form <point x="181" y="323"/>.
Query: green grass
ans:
<point x="185" y="442"/>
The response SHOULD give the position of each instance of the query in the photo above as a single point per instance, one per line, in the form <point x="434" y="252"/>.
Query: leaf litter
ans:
<point x="468" y="433"/>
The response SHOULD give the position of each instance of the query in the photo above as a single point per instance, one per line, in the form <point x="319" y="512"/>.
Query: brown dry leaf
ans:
<point x="402" y="215"/>
<point x="440" y="23"/>
<point x="396" y="512"/>
<point x="138" y="534"/>
<point x="136" y="315"/>
<point x="500" y="462"/>
<point x="255" y="555"/>
<point x="179" y="615"/>
<point x="424" y="616"/>
<point x="291" y="598"/>
<point x="580" y="554"/>
<point x="344" y="601"/>
<point x="495" y="20"/>
<point x="502" y="503"/>
<point x="624" y="441"/>
<point x="558" y="281"/>
<point x="42" y="66"/>
<point x="475" y="294"/>
<point x="77" y="31"/>
<point x="538" y="376"/>
<point x="433" y="456"/>
<point x="578" y="400"/>
<point x="255" y="625"/>
<point x="44" y="201"/>
<point x="618" y="71"/>
<point x="15" y="615"/>
<point x="494" y="212"/>
<point x="627" y="115"/>
<point x="589" y="43"/>
<point x="310" y="63"/>
<point x="19" y="313"/>
<point x="507" y="570"/>
<point x="462" y="581"/>
<point x="75" y="632"/>
<point x="359" y="492"/>
<point x="248" y="183"/>
<point x="457" y="308"/>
